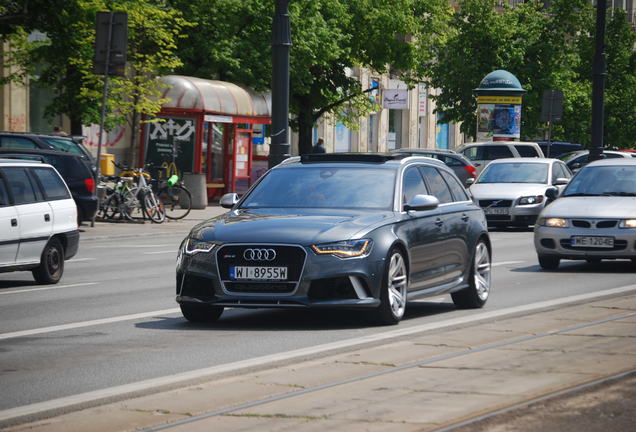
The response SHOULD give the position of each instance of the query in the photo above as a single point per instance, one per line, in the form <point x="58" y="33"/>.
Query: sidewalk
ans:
<point x="116" y="229"/>
<point x="421" y="382"/>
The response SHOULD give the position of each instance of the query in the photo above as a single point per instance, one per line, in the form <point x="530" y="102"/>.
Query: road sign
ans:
<point x="552" y="106"/>
<point x="113" y="26"/>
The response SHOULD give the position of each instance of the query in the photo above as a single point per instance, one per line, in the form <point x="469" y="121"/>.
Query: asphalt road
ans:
<point x="112" y="279"/>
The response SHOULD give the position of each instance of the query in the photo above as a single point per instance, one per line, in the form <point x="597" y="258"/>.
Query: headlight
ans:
<point x="194" y="246"/>
<point x="535" y="199"/>
<point x="345" y="249"/>
<point x="553" y="222"/>
<point x="628" y="223"/>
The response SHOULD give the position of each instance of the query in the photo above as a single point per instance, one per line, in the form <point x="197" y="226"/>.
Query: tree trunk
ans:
<point x="305" y="125"/>
<point x="76" y="125"/>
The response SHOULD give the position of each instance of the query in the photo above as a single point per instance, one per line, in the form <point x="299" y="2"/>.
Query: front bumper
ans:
<point x="323" y="281"/>
<point x="558" y="242"/>
<point x="514" y="214"/>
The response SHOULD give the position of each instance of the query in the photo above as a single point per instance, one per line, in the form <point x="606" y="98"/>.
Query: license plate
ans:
<point x="496" y="210"/>
<point x="592" y="241"/>
<point x="258" y="272"/>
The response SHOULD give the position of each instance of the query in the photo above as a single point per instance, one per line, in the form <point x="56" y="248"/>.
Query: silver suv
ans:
<point x="482" y="153"/>
<point x="38" y="220"/>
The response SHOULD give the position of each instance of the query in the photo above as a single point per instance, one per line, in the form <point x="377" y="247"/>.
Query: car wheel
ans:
<point x="476" y="295"/>
<point x="201" y="313"/>
<point x="51" y="263"/>
<point x="393" y="293"/>
<point x="549" y="262"/>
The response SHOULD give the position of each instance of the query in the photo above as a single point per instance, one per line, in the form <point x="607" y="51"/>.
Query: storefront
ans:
<point x="210" y="132"/>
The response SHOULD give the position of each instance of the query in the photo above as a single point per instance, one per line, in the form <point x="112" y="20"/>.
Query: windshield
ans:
<point x="603" y="180"/>
<point x="324" y="187"/>
<point x="569" y="156"/>
<point x="515" y="172"/>
<point x="67" y="146"/>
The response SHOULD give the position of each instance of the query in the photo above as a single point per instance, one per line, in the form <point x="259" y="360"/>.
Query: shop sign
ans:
<point x="421" y="99"/>
<point x="217" y="118"/>
<point x="395" y="99"/>
<point x="171" y="141"/>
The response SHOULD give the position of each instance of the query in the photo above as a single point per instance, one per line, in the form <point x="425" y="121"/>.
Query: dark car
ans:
<point x="554" y="149"/>
<point x="578" y="159"/>
<point x="368" y="231"/>
<point x="66" y="144"/>
<point x="76" y="174"/>
<point x="462" y="167"/>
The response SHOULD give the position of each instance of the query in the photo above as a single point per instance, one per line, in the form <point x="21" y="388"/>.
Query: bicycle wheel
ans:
<point x="176" y="200"/>
<point x="110" y="208"/>
<point x="131" y="207"/>
<point x="153" y="207"/>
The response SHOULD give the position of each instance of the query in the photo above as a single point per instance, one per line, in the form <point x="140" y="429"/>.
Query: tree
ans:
<point x="328" y="36"/>
<point x="540" y="46"/>
<point x="64" y="61"/>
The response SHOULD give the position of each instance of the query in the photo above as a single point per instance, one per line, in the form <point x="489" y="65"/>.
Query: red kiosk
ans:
<point x="211" y="133"/>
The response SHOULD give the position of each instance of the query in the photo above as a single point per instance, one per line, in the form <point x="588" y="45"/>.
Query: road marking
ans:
<point x="23" y="333"/>
<point x="74" y="260"/>
<point x="119" y="391"/>
<point x="47" y="288"/>
<point x="161" y="252"/>
<point x="505" y="263"/>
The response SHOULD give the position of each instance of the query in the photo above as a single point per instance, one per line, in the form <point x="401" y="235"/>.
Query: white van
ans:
<point x="38" y="220"/>
<point x="481" y="153"/>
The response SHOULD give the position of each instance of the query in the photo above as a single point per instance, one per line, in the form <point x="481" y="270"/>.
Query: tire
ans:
<point x="201" y="313"/>
<point x="394" y="288"/>
<point x="478" y="291"/>
<point x="153" y="208"/>
<point x="51" y="265"/>
<point x="549" y="262"/>
<point x="177" y="201"/>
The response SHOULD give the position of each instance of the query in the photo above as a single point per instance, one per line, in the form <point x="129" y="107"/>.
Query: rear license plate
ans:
<point x="592" y="241"/>
<point x="496" y="210"/>
<point x="258" y="273"/>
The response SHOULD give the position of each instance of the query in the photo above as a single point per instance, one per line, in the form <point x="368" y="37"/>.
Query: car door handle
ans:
<point x="439" y="222"/>
<point x="465" y="218"/>
<point x="14" y="222"/>
<point x="47" y="217"/>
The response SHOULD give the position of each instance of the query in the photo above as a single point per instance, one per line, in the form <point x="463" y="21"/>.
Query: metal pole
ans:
<point x="279" y="148"/>
<point x="103" y="113"/>
<point x="598" y="84"/>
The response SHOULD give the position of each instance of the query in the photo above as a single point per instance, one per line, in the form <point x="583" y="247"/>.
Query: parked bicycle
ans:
<point x="175" y="197"/>
<point x="140" y="200"/>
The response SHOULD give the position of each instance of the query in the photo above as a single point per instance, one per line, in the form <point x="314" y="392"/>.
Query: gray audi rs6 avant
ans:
<point x="338" y="230"/>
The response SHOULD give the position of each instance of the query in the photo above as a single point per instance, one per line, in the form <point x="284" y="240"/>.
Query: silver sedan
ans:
<point x="513" y="191"/>
<point x="593" y="219"/>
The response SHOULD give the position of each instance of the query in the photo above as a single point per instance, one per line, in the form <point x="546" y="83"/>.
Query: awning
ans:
<point x="218" y="97"/>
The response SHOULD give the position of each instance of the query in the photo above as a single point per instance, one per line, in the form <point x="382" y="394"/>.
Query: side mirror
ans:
<point x="470" y="181"/>
<point x="228" y="200"/>
<point x="422" y="202"/>
<point x="552" y="193"/>
<point x="561" y="181"/>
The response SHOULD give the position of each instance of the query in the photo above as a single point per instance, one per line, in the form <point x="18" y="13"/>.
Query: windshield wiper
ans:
<point x="619" y="194"/>
<point x="582" y="194"/>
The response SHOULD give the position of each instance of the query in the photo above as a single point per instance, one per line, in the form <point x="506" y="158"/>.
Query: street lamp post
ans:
<point x="279" y="148"/>
<point x="598" y="84"/>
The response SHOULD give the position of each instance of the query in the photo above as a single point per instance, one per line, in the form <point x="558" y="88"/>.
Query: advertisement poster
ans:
<point x="486" y="115"/>
<point x="395" y="99"/>
<point x="171" y="140"/>
<point x="507" y="121"/>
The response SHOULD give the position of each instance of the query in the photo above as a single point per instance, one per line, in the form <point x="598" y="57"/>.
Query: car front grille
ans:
<point x="292" y="257"/>
<point x="495" y="203"/>
<point x="589" y="223"/>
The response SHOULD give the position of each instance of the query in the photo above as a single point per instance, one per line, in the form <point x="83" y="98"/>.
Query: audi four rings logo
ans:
<point x="259" y="254"/>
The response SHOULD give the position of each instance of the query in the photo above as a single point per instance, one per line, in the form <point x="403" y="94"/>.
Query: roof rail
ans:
<point x="351" y="157"/>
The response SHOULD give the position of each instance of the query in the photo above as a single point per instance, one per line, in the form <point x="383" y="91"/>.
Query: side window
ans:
<point x="474" y="153"/>
<point x="412" y="184"/>
<point x="498" y="152"/>
<point x="53" y="186"/>
<point x="452" y="162"/>
<point x="17" y="142"/>
<point x="612" y="156"/>
<point x="527" y="151"/>
<point x="458" y="191"/>
<point x="4" y="195"/>
<point x="437" y="185"/>
<point x="20" y="185"/>
<point x="566" y="171"/>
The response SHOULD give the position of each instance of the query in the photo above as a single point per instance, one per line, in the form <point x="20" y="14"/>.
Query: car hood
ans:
<point x="298" y="226"/>
<point x="592" y="208"/>
<point x="507" y="190"/>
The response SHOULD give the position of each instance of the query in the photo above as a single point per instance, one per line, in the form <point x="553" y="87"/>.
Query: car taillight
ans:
<point x="89" y="183"/>
<point x="471" y="170"/>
